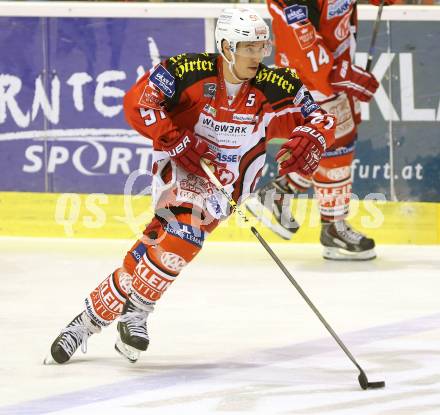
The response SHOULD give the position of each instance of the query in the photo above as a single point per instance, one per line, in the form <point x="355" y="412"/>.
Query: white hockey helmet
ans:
<point x="240" y="25"/>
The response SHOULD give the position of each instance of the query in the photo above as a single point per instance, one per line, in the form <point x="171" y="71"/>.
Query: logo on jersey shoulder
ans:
<point x="186" y="65"/>
<point x="308" y="106"/>
<point x="306" y="35"/>
<point x="163" y="80"/>
<point x="177" y="58"/>
<point x="300" y="95"/>
<point x="209" y="90"/>
<point x="270" y="76"/>
<point x="151" y="98"/>
<point x="296" y="13"/>
<point x="338" y="8"/>
<point x="291" y="72"/>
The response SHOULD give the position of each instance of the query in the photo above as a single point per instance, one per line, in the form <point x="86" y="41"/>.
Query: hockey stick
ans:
<point x="390" y="124"/>
<point x="371" y="51"/>
<point x="374" y="35"/>
<point x="362" y="378"/>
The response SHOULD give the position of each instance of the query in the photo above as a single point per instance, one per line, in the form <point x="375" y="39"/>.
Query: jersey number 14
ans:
<point x="322" y="58"/>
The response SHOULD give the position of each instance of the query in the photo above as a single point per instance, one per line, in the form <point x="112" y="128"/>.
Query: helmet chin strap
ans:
<point x="231" y="68"/>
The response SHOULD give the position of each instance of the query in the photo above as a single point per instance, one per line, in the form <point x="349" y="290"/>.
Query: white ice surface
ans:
<point x="232" y="336"/>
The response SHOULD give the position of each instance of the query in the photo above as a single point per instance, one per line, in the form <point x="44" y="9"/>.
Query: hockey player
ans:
<point x="317" y="38"/>
<point x="219" y="107"/>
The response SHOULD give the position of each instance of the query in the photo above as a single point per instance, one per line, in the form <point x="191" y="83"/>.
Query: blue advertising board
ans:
<point x="62" y="127"/>
<point x="62" y="81"/>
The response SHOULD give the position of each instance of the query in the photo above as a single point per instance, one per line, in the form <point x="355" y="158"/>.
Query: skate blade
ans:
<point x="259" y="211"/>
<point x="339" y="254"/>
<point x="48" y="360"/>
<point x="130" y="353"/>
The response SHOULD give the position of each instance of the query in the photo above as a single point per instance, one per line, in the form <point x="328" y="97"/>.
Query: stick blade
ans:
<point x="376" y="385"/>
<point x="363" y="381"/>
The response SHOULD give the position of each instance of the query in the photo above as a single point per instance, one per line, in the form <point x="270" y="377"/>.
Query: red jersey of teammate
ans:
<point x="188" y="93"/>
<point x="310" y="35"/>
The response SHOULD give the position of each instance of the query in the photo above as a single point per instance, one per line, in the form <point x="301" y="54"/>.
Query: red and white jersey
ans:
<point x="188" y="93"/>
<point x="310" y="35"/>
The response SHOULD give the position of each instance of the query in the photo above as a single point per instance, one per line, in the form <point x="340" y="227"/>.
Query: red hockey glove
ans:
<point x="303" y="151"/>
<point x="353" y="79"/>
<point x="386" y="2"/>
<point x="187" y="151"/>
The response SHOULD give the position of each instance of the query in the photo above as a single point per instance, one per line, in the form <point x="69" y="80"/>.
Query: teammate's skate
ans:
<point x="341" y="242"/>
<point x="271" y="206"/>
<point x="132" y="332"/>
<point x="74" y="335"/>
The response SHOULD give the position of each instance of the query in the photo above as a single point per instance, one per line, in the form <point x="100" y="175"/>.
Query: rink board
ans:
<point x="101" y="215"/>
<point x="62" y="127"/>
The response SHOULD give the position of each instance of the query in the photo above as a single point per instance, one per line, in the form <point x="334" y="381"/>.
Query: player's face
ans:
<point x="248" y="56"/>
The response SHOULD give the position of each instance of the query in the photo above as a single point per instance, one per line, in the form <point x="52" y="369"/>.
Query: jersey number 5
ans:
<point x="251" y="100"/>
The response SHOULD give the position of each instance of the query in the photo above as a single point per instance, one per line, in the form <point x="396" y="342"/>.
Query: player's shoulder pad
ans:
<point x="277" y="84"/>
<point x="184" y="70"/>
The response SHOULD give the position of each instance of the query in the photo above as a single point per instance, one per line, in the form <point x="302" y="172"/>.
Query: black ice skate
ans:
<point x="341" y="242"/>
<point x="74" y="335"/>
<point x="132" y="332"/>
<point x="271" y="206"/>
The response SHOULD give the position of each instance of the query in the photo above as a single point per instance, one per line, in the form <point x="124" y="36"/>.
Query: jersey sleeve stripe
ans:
<point x="245" y="162"/>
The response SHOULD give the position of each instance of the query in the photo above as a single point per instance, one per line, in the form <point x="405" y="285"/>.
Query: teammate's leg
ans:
<point x="271" y="204"/>
<point x="333" y="182"/>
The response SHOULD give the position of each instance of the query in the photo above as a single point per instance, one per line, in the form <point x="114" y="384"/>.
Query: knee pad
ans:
<point x="159" y="256"/>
